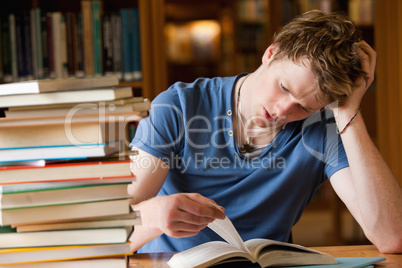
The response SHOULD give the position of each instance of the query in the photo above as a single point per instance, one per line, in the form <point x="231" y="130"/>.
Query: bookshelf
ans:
<point x="197" y="38"/>
<point x="151" y="42"/>
<point x="388" y="25"/>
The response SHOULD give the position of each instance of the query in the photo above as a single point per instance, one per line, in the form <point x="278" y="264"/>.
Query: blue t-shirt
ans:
<point x="190" y="128"/>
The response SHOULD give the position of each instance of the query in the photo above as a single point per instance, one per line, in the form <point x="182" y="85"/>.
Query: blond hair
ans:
<point x="330" y="43"/>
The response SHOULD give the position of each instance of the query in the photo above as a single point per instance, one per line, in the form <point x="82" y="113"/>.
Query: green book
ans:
<point x="7" y="229"/>
<point x="97" y="37"/>
<point x="348" y="262"/>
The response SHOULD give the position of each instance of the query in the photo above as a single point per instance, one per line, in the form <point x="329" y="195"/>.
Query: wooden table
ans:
<point x="159" y="260"/>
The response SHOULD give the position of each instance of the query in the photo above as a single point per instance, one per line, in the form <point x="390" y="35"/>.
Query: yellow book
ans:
<point x="46" y="254"/>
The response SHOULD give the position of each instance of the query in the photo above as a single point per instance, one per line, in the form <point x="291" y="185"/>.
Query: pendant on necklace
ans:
<point x="248" y="146"/>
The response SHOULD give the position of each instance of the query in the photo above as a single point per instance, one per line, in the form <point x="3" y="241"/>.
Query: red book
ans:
<point x="100" y="170"/>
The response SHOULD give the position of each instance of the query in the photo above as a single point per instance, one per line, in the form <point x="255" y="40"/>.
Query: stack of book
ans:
<point x="64" y="172"/>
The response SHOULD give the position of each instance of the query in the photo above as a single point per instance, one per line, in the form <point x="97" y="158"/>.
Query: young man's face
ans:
<point x="284" y="92"/>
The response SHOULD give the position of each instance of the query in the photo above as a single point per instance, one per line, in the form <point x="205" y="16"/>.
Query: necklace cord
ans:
<point x="247" y="147"/>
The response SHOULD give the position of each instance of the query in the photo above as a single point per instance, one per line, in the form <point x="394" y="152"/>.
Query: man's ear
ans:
<point x="269" y="52"/>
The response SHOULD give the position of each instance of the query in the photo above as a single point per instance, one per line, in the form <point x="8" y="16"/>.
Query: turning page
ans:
<point x="225" y="229"/>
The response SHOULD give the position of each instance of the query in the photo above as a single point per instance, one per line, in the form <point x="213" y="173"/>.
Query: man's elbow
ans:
<point x="390" y="246"/>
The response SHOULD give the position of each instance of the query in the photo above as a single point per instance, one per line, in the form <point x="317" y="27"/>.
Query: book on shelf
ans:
<point x="71" y="96"/>
<point x="36" y="42"/>
<point x="23" y="45"/>
<point x="264" y="252"/>
<point x="130" y="44"/>
<point x="71" y="35"/>
<point x="88" y="42"/>
<point x="107" y="36"/>
<point x="127" y="70"/>
<point x="59" y="44"/>
<point x="58" y="84"/>
<point x="58" y="152"/>
<point x="6" y="49"/>
<point x="111" y="262"/>
<point x="95" y="236"/>
<point x="69" y="173"/>
<point x="97" y="11"/>
<point x="61" y="253"/>
<point x="115" y="262"/>
<point x="44" y="214"/>
<point x="130" y="219"/>
<point x="25" y="197"/>
<point x="13" y="42"/>
<point x="50" y="45"/>
<point x="135" y="45"/>
<point x="134" y="105"/>
<point x="117" y="41"/>
<point x="40" y="44"/>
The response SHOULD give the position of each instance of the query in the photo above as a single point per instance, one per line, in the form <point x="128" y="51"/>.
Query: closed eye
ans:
<point x="301" y="106"/>
<point x="284" y="88"/>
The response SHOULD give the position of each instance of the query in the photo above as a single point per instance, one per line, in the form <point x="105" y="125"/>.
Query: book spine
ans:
<point x="13" y="42"/>
<point x="70" y="211"/>
<point x="63" y="46"/>
<point x="117" y="45"/>
<point x="126" y="31"/>
<point x="27" y="46"/>
<point x="39" y="43"/>
<point x="56" y="34"/>
<point x="107" y="44"/>
<point x="97" y="37"/>
<point x="87" y="27"/>
<point x="71" y="62"/>
<point x="19" y="37"/>
<point x="6" y="50"/>
<point x="49" y="24"/>
<point x="136" y="50"/>
<point x="45" y="44"/>
<point x="34" y="43"/>
<point x="79" y="47"/>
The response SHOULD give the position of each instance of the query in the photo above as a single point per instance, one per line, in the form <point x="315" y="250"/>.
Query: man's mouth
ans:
<point x="268" y="116"/>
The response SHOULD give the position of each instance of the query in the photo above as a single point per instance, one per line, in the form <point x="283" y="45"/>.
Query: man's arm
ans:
<point x="367" y="186"/>
<point x="178" y="215"/>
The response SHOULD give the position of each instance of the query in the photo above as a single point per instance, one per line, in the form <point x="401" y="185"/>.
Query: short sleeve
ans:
<point x="335" y="155"/>
<point x="162" y="132"/>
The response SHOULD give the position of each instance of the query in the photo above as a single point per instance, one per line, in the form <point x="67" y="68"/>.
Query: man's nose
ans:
<point x="283" y="107"/>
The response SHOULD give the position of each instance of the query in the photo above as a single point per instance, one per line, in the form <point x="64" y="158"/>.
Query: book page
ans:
<point x="225" y="229"/>
<point x="205" y="255"/>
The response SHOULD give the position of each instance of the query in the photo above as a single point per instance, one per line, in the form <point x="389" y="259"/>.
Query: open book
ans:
<point x="265" y="252"/>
